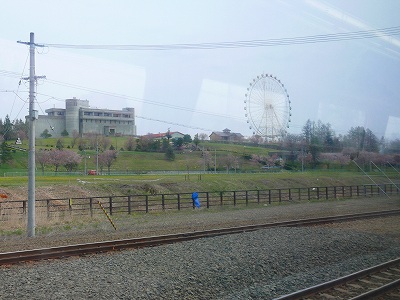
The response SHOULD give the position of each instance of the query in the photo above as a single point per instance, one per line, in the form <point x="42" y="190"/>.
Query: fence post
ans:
<point x="308" y="192"/>
<point x="299" y="191"/>
<point x="24" y="207"/>
<point x="343" y="191"/>
<point x="318" y="193"/>
<point x="91" y="206"/>
<point x="162" y="202"/>
<point x="326" y="193"/>
<point x="290" y="194"/>
<point x="48" y="208"/>
<point x="351" y="191"/>
<point x="147" y="203"/>
<point x="208" y="200"/>
<point x="234" y="198"/>
<point x="179" y="201"/>
<point x="280" y="195"/>
<point x="221" y="198"/>
<point x="247" y="198"/>
<point x="269" y="196"/>
<point x="110" y="205"/>
<point x="129" y="205"/>
<point x="258" y="196"/>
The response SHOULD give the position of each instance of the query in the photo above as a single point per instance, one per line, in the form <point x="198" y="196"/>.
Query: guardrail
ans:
<point x="146" y="203"/>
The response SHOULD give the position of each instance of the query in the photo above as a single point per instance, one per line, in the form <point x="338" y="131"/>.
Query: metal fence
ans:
<point x="160" y="202"/>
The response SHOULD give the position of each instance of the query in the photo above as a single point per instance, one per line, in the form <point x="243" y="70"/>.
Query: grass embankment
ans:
<point x="72" y="186"/>
<point x="85" y="186"/>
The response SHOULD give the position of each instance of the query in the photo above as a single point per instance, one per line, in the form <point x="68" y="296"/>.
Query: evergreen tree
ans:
<point x="164" y="145"/>
<point x="5" y="152"/>
<point x="187" y="139"/>
<point x="59" y="144"/>
<point x="8" y="129"/>
<point x="196" y="140"/>
<point x="45" y="134"/>
<point x="169" y="154"/>
<point x="307" y="131"/>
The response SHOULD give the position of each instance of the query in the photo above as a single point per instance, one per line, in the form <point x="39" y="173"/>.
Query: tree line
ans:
<point x="316" y="145"/>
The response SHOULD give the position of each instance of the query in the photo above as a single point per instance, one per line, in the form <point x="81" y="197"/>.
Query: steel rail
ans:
<point x="134" y="243"/>
<point x="309" y="292"/>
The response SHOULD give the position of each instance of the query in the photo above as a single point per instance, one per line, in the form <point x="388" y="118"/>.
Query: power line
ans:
<point x="173" y="123"/>
<point x="147" y="101"/>
<point x="19" y="84"/>
<point x="322" y="38"/>
<point x="126" y="97"/>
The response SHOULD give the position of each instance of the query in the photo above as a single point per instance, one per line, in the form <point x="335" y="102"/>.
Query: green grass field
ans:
<point x="135" y="161"/>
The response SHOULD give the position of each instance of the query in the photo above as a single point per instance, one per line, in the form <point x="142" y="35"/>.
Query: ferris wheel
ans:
<point x="267" y="107"/>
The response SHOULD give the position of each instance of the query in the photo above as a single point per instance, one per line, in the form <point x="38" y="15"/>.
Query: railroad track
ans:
<point x="378" y="282"/>
<point x="134" y="243"/>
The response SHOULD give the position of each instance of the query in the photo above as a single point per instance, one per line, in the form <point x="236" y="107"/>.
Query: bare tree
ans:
<point x="107" y="158"/>
<point x="93" y="139"/>
<point x="130" y="144"/>
<point x="43" y="157"/>
<point x="230" y="161"/>
<point x="207" y="159"/>
<point x="104" y="142"/>
<point x="203" y="136"/>
<point x="75" y="137"/>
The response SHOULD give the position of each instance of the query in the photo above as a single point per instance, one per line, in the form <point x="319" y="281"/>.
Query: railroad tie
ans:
<point x="369" y="282"/>
<point x="343" y="291"/>
<point x="327" y="296"/>
<point x="380" y="278"/>
<point x="356" y="286"/>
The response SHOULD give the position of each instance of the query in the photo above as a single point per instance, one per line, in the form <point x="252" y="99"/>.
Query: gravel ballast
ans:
<point x="255" y="265"/>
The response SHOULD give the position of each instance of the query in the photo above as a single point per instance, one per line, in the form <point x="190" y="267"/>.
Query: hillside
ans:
<point x="137" y="162"/>
<point x="16" y="188"/>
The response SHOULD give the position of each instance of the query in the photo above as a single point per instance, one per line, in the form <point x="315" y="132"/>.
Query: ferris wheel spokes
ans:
<point x="267" y="106"/>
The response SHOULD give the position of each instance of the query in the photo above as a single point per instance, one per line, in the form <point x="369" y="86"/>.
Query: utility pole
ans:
<point x="33" y="115"/>
<point x="97" y="157"/>
<point x="215" y="161"/>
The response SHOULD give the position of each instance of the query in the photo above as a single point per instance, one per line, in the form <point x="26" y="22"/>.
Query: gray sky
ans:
<point x="344" y="83"/>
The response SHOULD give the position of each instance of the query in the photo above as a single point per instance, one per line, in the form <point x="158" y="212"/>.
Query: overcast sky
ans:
<point x="345" y="83"/>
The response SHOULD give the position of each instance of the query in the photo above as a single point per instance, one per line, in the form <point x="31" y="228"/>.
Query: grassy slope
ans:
<point x="76" y="186"/>
<point x="72" y="186"/>
<point x="143" y="161"/>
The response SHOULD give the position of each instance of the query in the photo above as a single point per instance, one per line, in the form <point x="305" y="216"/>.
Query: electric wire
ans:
<point x="322" y="38"/>
<point x="12" y="74"/>
<point x="390" y="31"/>
<point x="19" y="84"/>
<point x="174" y="123"/>
<point x="142" y="100"/>
<point x="136" y="116"/>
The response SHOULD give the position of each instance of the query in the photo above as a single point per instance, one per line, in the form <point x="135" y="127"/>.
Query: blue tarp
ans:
<point x="195" y="198"/>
